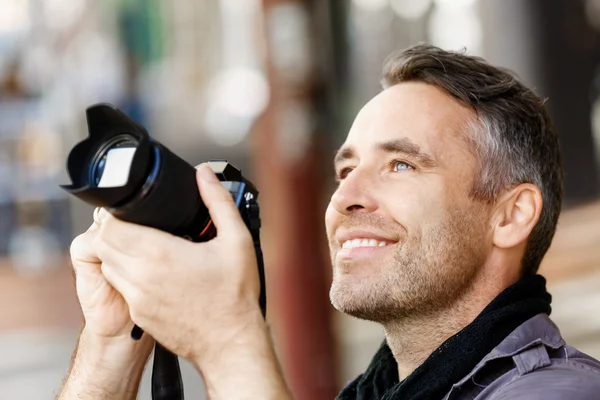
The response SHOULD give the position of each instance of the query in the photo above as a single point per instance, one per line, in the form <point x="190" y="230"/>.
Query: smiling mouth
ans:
<point x="357" y="243"/>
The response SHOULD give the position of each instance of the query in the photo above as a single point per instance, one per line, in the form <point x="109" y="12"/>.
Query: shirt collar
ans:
<point x="536" y="330"/>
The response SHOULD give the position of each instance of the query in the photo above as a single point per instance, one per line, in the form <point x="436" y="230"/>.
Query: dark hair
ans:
<point x="514" y="138"/>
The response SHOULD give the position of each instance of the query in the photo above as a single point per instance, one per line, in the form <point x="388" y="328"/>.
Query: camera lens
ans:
<point x="111" y="165"/>
<point x="137" y="179"/>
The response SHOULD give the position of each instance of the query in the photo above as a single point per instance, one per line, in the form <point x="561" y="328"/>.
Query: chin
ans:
<point x="362" y="299"/>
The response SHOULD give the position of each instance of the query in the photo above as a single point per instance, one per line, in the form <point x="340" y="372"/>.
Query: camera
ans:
<point x="137" y="179"/>
<point x="121" y="168"/>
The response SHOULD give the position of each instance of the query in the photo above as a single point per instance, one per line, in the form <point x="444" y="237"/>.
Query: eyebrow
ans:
<point x="403" y="146"/>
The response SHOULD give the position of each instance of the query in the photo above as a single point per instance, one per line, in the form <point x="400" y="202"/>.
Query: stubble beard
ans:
<point x="425" y="276"/>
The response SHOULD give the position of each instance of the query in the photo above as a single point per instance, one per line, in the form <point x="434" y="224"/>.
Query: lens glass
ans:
<point x="111" y="166"/>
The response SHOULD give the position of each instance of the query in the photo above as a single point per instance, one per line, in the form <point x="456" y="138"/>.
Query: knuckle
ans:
<point x="158" y="254"/>
<point x="101" y="232"/>
<point x="80" y="245"/>
<point x="99" y="245"/>
<point x="224" y="194"/>
<point x="223" y="202"/>
<point x="75" y="245"/>
<point x="106" y="223"/>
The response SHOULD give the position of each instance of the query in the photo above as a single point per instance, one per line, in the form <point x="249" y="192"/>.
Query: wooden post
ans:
<point x="289" y="173"/>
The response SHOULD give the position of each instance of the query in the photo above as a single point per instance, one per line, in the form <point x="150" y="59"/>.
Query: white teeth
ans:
<point x="350" y="244"/>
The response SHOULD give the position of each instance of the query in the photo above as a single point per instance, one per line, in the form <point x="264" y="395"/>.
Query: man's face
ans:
<point x="404" y="235"/>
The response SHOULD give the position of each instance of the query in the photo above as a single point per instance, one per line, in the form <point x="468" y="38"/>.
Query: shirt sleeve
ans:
<point x="573" y="381"/>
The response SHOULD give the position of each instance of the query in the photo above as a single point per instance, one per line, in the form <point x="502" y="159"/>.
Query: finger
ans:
<point x="218" y="200"/>
<point x="141" y="298"/>
<point x="82" y="248"/>
<point x="96" y="215"/>
<point x="134" y="254"/>
<point x="117" y="237"/>
<point x="115" y="276"/>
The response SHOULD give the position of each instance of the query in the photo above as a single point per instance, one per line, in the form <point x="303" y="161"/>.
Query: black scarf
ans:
<point x="458" y="355"/>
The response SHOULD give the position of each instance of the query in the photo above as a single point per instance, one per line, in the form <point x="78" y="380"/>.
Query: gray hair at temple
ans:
<point x="513" y="136"/>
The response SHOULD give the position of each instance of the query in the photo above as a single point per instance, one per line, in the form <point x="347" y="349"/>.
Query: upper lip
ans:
<point x="344" y="235"/>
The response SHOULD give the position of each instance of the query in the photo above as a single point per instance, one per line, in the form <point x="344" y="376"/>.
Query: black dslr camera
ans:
<point x="137" y="179"/>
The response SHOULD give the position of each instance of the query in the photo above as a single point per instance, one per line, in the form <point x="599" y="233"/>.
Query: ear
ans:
<point x="516" y="214"/>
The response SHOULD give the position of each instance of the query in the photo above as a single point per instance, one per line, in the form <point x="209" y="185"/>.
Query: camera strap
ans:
<point x="251" y="215"/>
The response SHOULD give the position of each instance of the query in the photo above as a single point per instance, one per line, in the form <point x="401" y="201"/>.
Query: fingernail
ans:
<point x="102" y="214"/>
<point x="96" y="217"/>
<point x="207" y="174"/>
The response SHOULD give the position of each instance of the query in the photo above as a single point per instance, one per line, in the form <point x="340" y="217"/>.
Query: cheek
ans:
<point x="407" y="199"/>
<point x="418" y="207"/>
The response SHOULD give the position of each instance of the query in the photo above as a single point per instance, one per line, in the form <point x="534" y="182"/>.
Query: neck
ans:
<point x="413" y="339"/>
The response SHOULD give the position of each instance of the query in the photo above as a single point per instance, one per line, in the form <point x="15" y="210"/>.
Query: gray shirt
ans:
<point x="532" y="363"/>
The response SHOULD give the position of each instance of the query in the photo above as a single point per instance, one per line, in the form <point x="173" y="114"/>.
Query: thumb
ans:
<point x="218" y="200"/>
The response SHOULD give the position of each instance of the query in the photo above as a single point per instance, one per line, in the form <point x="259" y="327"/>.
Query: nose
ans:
<point x="354" y="193"/>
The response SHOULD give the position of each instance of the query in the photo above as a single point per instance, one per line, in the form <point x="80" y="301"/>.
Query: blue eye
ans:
<point x="401" y="166"/>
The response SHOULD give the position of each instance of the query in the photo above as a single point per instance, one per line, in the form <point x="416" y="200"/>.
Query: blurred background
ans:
<point x="272" y="86"/>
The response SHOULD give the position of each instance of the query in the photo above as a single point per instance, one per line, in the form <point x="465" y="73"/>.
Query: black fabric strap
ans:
<point x="166" y="375"/>
<point x="458" y="355"/>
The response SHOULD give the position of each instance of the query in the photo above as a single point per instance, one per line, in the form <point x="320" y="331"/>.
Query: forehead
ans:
<point x="419" y="112"/>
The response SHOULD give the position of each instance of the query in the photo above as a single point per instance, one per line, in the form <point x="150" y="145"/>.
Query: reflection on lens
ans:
<point x="112" y="163"/>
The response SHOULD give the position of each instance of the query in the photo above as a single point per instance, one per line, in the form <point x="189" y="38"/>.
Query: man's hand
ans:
<point x="199" y="300"/>
<point x="106" y="312"/>
<point x="107" y="361"/>
<point x="177" y="290"/>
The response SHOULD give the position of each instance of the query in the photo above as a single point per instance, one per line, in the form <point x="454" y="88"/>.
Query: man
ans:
<point x="450" y="187"/>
